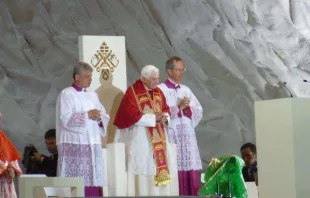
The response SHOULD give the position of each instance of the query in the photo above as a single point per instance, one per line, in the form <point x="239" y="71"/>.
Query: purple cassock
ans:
<point x="182" y="132"/>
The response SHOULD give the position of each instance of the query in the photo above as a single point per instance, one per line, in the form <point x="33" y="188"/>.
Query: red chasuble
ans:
<point x="8" y="152"/>
<point x="136" y="102"/>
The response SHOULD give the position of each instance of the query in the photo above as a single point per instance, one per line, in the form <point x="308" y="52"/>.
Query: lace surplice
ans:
<point x="79" y="138"/>
<point x="182" y="128"/>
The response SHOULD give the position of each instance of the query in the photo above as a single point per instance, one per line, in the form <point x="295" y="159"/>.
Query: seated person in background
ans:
<point x="248" y="154"/>
<point x="39" y="163"/>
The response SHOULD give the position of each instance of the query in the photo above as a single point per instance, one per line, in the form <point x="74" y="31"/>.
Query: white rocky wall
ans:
<point x="235" y="52"/>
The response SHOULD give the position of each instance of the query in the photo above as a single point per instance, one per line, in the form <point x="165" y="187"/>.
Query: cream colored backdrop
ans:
<point x="107" y="56"/>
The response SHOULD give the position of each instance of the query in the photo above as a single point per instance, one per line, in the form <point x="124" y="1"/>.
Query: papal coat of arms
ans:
<point x="104" y="61"/>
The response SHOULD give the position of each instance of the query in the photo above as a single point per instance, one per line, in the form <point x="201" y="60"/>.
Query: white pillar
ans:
<point x="174" y="186"/>
<point x="116" y="169"/>
<point x="282" y="138"/>
<point x="107" y="56"/>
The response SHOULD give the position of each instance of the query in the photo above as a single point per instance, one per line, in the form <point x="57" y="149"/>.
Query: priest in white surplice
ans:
<point x="81" y="120"/>
<point x="141" y="121"/>
<point x="186" y="113"/>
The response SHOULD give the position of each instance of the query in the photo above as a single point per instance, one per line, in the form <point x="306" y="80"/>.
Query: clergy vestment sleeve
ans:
<point x="72" y="120"/>
<point x="128" y="112"/>
<point x="3" y="167"/>
<point x="175" y="112"/>
<point x="15" y="166"/>
<point x="187" y="112"/>
<point x="105" y="118"/>
<point x="165" y="107"/>
<point x="195" y="110"/>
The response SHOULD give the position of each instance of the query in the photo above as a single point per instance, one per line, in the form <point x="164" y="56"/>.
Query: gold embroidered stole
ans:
<point x="156" y="134"/>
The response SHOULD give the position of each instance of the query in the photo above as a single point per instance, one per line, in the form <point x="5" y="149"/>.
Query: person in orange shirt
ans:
<point x="9" y="167"/>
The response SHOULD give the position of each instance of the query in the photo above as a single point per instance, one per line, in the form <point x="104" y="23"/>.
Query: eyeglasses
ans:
<point x="180" y="70"/>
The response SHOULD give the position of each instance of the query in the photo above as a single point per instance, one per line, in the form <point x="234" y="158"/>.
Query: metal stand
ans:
<point x="229" y="187"/>
<point x="218" y="194"/>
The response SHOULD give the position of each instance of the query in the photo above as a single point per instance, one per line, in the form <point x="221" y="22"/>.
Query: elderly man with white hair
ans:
<point x="141" y="120"/>
<point x="81" y="120"/>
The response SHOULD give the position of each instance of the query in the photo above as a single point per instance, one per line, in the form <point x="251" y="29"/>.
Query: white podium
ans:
<point x="33" y="187"/>
<point x="282" y="138"/>
<point x="116" y="175"/>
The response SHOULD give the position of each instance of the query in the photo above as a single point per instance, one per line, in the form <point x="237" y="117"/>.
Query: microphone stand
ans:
<point x="229" y="187"/>
<point x="288" y="89"/>
<point x="218" y="194"/>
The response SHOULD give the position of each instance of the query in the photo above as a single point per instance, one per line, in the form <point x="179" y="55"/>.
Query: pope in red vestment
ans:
<point x="129" y="111"/>
<point x="141" y="120"/>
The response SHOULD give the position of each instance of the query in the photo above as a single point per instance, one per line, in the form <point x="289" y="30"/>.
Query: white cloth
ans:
<point x="142" y="185"/>
<point x="139" y="157"/>
<point x="78" y="137"/>
<point x="7" y="187"/>
<point x="182" y="129"/>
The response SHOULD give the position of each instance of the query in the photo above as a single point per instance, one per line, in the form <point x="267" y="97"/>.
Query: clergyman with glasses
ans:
<point x="186" y="113"/>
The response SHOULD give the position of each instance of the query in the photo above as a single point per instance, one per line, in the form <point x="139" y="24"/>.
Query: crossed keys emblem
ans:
<point x="104" y="61"/>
